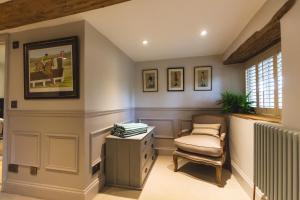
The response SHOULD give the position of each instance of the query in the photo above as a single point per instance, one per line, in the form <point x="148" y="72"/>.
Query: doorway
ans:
<point x="3" y="67"/>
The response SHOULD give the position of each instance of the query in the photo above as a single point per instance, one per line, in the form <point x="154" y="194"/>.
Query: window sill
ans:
<point x="272" y="119"/>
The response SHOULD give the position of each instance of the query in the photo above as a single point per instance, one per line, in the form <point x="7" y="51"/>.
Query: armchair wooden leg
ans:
<point x="219" y="175"/>
<point x="175" y="160"/>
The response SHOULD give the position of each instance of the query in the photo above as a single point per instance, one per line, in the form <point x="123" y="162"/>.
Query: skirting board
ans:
<point x="245" y="181"/>
<point x="55" y="192"/>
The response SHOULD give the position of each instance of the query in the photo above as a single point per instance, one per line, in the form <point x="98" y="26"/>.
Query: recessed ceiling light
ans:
<point x="204" y="33"/>
<point x="145" y="42"/>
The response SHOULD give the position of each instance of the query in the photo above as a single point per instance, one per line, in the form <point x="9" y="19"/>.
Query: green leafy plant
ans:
<point x="236" y="103"/>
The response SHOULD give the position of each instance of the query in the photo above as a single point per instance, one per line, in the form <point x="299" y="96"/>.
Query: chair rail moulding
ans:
<point x="95" y="113"/>
<point x="65" y="113"/>
<point x="176" y="109"/>
<point x="19" y="13"/>
<point x="261" y="40"/>
<point x="46" y="113"/>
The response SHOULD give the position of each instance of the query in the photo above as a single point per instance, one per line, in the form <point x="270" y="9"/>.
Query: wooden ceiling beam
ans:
<point x="261" y="40"/>
<point x="17" y="13"/>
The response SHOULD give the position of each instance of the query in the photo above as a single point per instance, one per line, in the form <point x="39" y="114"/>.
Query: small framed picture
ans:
<point x="150" y="80"/>
<point x="203" y="78"/>
<point x="176" y="79"/>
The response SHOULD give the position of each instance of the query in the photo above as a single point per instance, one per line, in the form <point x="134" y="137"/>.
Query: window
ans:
<point x="280" y="80"/>
<point x="251" y="84"/>
<point x="264" y="82"/>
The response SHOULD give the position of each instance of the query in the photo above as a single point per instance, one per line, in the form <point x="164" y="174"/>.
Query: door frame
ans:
<point x="4" y="39"/>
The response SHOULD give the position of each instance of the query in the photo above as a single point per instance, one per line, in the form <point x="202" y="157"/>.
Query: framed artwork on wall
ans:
<point x="203" y="78"/>
<point x="175" y="79"/>
<point x="150" y="80"/>
<point x="51" y="69"/>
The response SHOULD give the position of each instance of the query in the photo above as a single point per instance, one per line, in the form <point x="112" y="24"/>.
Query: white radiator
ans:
<point x="277" y="161"/>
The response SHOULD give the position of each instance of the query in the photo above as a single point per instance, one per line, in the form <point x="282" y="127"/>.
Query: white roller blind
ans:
<point x="266" y="84"/>
<point x="279" y="79"/>
<point x="251" y="84"/>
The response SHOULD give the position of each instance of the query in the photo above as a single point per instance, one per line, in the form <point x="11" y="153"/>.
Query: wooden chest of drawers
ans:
<point x="129" y="160"/>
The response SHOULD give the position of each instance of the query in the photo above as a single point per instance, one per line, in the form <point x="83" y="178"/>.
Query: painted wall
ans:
<point x="16" y="67"/>
<point x="2" y="60"/>
<point x="172" y="111"/>
<point x="242" y="152"/>
<point x="242" y="149"/>
<point x="48" y="134"/>
<point x="290" y="45"/>
<point x="109" y="74"/>
<point x="109" y="97"/>
<point x="224" y="78"/>
<point x="262" y="17"/>
<point x="64" y="138"/>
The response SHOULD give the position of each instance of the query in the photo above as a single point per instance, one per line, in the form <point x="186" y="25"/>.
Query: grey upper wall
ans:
<point x="16" y="75"/>
<point x="106" y="73"/>
<point x="290" y="46"/>
<point x="224" y="78"/>
<point x="109" y="74"/>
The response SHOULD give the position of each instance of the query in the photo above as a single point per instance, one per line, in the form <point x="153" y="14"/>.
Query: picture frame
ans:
<point x="203" y="78"/>
<point x="175" y="79"/>
<point x="51" y="69"/>
<point x="150" y="80"/>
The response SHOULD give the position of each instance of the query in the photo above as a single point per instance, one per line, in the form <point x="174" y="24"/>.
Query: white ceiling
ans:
<point x="172" y="27"/>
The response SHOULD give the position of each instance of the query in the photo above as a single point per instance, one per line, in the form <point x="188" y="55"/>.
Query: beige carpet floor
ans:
<point x="191" y="182"/>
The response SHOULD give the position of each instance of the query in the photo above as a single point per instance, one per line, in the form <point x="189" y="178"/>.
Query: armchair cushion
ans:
<point x="206" y="129"/>
<point x="207" y="145"/>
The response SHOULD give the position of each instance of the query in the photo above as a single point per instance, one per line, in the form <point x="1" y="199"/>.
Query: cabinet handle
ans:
<point x="152" y="157"/>
<point x="152" y="145"/>
<point x="145" y="142"/>
<point x="145" y="156"/>
<point x="152" y="135"/>
<point x="146" y="170"/>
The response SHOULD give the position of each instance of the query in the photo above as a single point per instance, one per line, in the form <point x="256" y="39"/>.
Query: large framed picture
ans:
<point x="150" y="80"/>
<point x="51" y="69"/>
<point x="175" y="79"/>
<point x="203" y="78"/>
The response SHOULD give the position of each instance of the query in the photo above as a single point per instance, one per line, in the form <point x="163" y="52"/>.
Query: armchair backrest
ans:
<point x="211" y="119"/>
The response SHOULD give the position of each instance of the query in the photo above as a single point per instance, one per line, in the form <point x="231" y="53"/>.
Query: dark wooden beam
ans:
<point x="22" y="12"/>
<point x="261" y="40"/>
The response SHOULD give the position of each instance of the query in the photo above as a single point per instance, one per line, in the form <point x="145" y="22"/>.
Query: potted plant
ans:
<point x="236" y="103"/>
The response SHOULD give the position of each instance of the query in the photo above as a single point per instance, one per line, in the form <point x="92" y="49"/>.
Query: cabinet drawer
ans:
<point x="146" y="154"/>
<point x="146" y="142"/>
<point x="146" y="169"/>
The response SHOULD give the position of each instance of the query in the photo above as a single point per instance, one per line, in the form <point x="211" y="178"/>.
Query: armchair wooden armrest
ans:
<point x="222" y="139"/>
<point x="184" y="132"/>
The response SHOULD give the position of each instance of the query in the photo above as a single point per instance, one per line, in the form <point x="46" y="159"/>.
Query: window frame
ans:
<point x="272" y="52"/>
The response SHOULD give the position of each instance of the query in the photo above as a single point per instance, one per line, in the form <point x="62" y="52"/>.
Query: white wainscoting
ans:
<point x="169" y="122"/>
<point x="62" y="152"/>
<point x="97" y="141"/>
<point x="25" y="148"/>
<point x="165" y="128"/>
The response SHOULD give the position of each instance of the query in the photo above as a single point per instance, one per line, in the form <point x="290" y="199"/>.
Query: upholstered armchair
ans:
<point x="205" y="145"/>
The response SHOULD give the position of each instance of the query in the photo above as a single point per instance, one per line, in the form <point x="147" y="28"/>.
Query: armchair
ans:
<point x="204" y="149"/>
